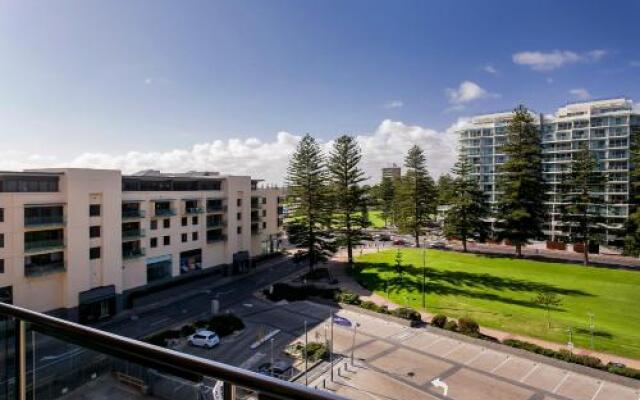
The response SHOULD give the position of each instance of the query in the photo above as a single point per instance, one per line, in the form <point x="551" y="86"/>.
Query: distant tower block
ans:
<point x="392" y="172"/>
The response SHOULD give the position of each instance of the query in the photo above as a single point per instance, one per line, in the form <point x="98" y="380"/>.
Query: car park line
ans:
<point x="472" y="359"/>
<point x="598" y="391"/>
<point x="528" y="374"/>
<point x="459" y="346"/>
<point x="506" y="360"/>
<point x="555" y="389"/>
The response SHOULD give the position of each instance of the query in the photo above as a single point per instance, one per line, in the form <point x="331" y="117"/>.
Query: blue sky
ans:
<point x="91" y="81"/>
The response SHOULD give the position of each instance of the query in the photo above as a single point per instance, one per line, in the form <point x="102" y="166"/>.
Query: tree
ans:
<point x="309" y="200"/>
<point x="521" y="203"/>
<point x="350" y="208"/>
<point x="548" y="300"/>
<point x="387" y="197"/>
<point x="398" y="260"/>
<point x="468" y="206"/>
<point x="445" y="188"/>
<point x="416" y="195"/>
<point x="632" y="226"/>
<point x="583" y="208"/>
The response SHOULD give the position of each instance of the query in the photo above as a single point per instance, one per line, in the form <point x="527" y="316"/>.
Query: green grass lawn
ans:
<point x="499" y="292"/>
<point x="376" y="220"/>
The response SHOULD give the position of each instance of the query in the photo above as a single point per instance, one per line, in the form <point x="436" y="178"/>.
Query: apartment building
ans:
<point x="83" y="242"/>
<point x="393" y="172"/>
<point x="607" y="127"/>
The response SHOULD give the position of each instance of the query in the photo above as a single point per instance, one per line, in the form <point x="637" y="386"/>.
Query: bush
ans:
<point x="284" y="291"/>
<point x="469" y="327"/>
<point x="439" y="320"/>
<point x="225" y="324"/>
<point x="348" y="298"/>
<point x="187" y="330"/>
<point x="407" y="313"/>
<point x="201" y="323"/>
<point x="316" y="351"/>
<point x="626" y="371"/>
<point x="451" y="325"/>
<point x="564" y="355"/>
<point x="160" y="339"/>
<point x="370" y="305"/>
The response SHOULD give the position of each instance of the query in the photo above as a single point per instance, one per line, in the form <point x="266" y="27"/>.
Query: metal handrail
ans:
<point x="166" y="360"/>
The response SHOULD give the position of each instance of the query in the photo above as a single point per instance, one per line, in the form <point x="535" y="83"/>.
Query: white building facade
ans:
<point x="86" y="242"/>
<point x="607" y="127"/>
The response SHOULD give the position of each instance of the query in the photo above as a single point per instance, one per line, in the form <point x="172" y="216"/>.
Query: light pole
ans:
<point x="331" y="345"/>
<point x="353" y="343"/>
<point x="424" y="279"/>
<point x="271" y="356"/>
<point x="592" y="326"/>
<point x="306" y="356"/>
<point x="570" y="344"/>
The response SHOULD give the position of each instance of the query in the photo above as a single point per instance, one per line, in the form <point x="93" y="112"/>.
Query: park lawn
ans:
<point x="498" y="292"/>
<point x="376" y="220"/>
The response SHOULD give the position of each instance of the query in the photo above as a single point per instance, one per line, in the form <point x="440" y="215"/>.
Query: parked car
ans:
<point x="383" y="238"/>
<point x="279" y="368"/>
<point x="206" y="339"/>
<point x="613" y="364"/>
<point x="399" y="242"/>
<point x="438" y="245"/>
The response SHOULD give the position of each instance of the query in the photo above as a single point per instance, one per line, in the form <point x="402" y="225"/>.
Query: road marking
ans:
<point x="472" y="359"/>
<point x="528" y="374"/>
<point x="402" y="335"/>
<point x="160" y="321"/>
<point x="432" y="343"/>
<point x="598" y="391"/>
<point x="555" y="389"/>
<point x="501" y="364"/>
<point x="459" y="346"/>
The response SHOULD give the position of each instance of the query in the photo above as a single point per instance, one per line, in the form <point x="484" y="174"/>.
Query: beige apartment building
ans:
<point x="85" y="242"/>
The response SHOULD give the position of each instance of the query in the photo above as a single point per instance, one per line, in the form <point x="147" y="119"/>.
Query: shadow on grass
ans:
<point x="457" y="283"/>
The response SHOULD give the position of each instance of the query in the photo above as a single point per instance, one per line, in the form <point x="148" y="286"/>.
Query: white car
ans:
<point x="207" y="339"/>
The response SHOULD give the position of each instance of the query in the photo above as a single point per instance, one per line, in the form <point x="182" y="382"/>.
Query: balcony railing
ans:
<point x="130" y="234"/>
<point x="43" y="269"/>
<point x="217" y="238"/>
<point x="24" y="329"/>
<point x="216" y="224"/>
<point x="43" y="221"/>
<point x="194" y="210"/>
<point x="165" y="212"/>
<point x="132" y="213"/>
<point x="133" y="253"/>
<point x="40" y="245"/>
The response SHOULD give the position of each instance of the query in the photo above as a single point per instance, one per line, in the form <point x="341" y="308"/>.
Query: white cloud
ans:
<point x="490" y="69"/>
<point x="549" y="80"/>
<point x="634" y="63"/>
<point x="467" y="91"/>
<point x="540" y="61"/>
<point x="259" y="158"/>
<point x="580" y="93"/>
<point x="394" y="104"/>
<point x="148" y="81"/>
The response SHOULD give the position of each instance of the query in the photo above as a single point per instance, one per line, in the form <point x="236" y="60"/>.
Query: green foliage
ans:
<point x="451" y="325"/>
<point x="416" y="195"/>
<point x="548" y="299"/>
<point x="310" y="202"/>
<point x="445" y="189"/>
<point x="387" y="199"/>
<point x="187" y="330"/>
<point x="349" y="198"/>
<point x="398" y="261"/>
<point x="632" y="226"/>
<point x="284" y="291"/>
<point x="406" y="313"/>
<point x="468" y="326"/>
<point x="439" y="320"/>
<point x="348" y="298"/>
<point x="465" y="218"/>
<point x="315" y="351"/>
<point x="225" y="324"/>
<point x="583" y="205"/>
<point x="521" y="204"/>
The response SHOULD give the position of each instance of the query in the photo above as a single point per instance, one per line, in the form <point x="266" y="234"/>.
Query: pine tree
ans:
<point x="445" y="188"/>
<point x="349" y="197"/>
<point x="521" y="203"/>
<point x="309" y="200"/>
<point x="468" y="206"/>
<point x="632" y="227"/>
<point x="583" y="208"/>
<point x="387" y="198"/>
<point x="416" y="195"/>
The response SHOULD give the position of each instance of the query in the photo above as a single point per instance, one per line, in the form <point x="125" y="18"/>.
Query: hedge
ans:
<point x="284" y="291"/>
<point x="439" y="320"/>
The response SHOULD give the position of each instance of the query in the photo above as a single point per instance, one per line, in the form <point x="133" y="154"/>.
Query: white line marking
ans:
<point x="501" y="364"/>
<point x="528" y="374"/>
<point x="598" y="391"/>
<point x="555" y="389"/>
<point x="472" y="359"/>
<point x="432" y="343"/>
<point x="160" y="321"/>
<point x="458" y="347"/>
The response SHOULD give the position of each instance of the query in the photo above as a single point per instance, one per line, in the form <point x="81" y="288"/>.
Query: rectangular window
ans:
<point x="1" y="214"/>
<point x="185" y="237"/>
<point x="94" y="231"/>
<point x="94" y="210"/>
<point x="194" y="220"/>
<point x="153" y="243"/>
<point x="239" y="230"/>
<point x="264" y="225"/>
<point x="1" y="240"/>
<point x="264" y="213"/>
<point x="154" y="224"/>
<point x="239" y="202"/>
<point x="185" y="221"/>
<point x="239" y="216"/>
<point x="166" y="240"/>
<point x="1" y="266"/>
<point x="194" y="236"/>
<point x="94" y="253"/>
<point x="264" y="200"/>
<point x="166" y="223"/>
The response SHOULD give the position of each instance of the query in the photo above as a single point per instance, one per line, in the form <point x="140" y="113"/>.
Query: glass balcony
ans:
<point x="216" y="223"/>
<point x="128" y="254"/>
<point x="44" y="220"/>
<point x="44" y="268"/>
<point x="41" y="245"/>
<point x="165" y="212"/>
<point x="217" y="237"/>
<point x="132" y="234"/>
<point x="193" y="210"/>
<point x="46" y="358"/>
<point x="132" y="213"/>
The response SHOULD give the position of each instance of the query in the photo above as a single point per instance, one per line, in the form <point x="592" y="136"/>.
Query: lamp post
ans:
<point x="592" y="326"/>
<point x="306" y="356"/>
<point x="424" y="279"/>
<point x="353" y="343"/>
<point x="331" y="346"/>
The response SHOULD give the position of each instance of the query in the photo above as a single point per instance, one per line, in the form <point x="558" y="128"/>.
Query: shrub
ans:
<point x="348" y="298"/>
<point x="468" y="326"/>
<point x="370" y="305"/>
<point x="225" y="324"/>
<point x="626" y="371"/>
<point x="285" y="291"/>
<point x="451" y="325"/>
<point x="199" y="324"/>
<point x="439" y="320"/>
<point x="316" y="351"/>
<point x="407" y="313"/>
<point x="187" y="330"/>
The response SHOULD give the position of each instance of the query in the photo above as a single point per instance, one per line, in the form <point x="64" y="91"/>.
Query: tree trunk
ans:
<point x="519" y="250"/>
<point x="585" y="251"/>
<point x="464" y="245"/>
<point x="417" y="239"/>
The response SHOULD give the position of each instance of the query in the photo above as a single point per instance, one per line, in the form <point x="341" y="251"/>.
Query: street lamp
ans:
<point x="592" y="326"/>
<point x="424" y="279"/>
<point x="353" y="343"/>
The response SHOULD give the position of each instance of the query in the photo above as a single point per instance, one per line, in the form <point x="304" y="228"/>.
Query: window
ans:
<point x="264" y="225"/>
<point x="166" y="240"/>
<point x="1" y="214"/>
<point x="264" y="213"/>
<point x="239" y="202"/>
<point x="185" y="237"/>
<point x="153" y="242"/>
<point x="239" y="230"/>
<point x="94" y="253"/>
<point x="1" y="266"/>
<point x="239" y="216"/>
<point x="94" y="210"/>
<point x="154" y="224"/>
<point x="185" y="221"/>
<point x="166" y="223"/>
<point x="1" y="240"/>
<point x="194" y="220"/>
<point x="264" y="200"/>
<point x="194" y="236"/>
<point x="94" y="231"/>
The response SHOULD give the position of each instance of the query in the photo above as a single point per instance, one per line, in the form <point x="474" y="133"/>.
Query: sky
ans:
<point x="232" y="85"/>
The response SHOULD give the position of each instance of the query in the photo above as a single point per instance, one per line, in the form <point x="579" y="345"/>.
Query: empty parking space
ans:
<point x="516" y="369"/>
<point x="611" y="391"/>
<point x="465" y="353"/>
<point x="412" y="366"/>
<point x="442" y="347"/>
<point x="471" y="385"/>
<point x="545" y="377"/>
<point x="578" y="387"/>
<point x="489" y="360"/>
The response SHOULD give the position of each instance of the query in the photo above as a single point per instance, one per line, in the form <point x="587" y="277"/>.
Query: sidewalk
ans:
<point x="338" y="268"/>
